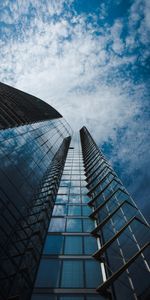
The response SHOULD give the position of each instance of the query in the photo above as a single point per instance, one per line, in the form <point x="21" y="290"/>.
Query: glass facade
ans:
<point x="32" y="156"/>
<point x="122" y="230"/>
<point x="69" y="244"/>
<point x="69" y="230"/>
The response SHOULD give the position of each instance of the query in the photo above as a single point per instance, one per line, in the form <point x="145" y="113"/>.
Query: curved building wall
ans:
<point x="34" y="143"/>
<point x="25" y="154"/>
<point x="18" y="108"/>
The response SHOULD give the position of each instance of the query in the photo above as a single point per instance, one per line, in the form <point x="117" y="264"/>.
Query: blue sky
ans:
<point x="90" y="60"/>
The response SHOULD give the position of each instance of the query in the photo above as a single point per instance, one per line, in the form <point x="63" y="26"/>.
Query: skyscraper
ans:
<point x="69" y="228"/>
<point x="34" y="142"/>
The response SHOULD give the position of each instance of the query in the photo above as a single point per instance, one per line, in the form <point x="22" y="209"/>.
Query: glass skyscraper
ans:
<point x="69" y="230"/>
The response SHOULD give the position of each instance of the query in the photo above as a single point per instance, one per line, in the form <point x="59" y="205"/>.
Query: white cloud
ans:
<point x="139" y="21"/>
<point x="66" y="64"/>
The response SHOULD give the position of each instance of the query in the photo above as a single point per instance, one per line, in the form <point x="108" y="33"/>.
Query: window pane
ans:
<point x="63" y="190"/>
<point x="65" y="183"/>
<point x="85" y="199"/>
<point x="84" y="190"/>
<point x="61" y="199"/>
<point x="54" y="244"/>
<point x="72" y="274"/>
<point x="92" y="274"/>
<point x="45" y="276"/>
<point x="57" y="224"/>
<point x="86" y="210"/>
<point x="74" y="210"/>
<point x="74" y="225"/>
<point x="75" y="190"/>
<point x="74" y="199"/>
<point x="59" y="210"/>
<point x="90" y="245"/>
<point x="73" y="245"/>
<point x="75" y="183"/>
<point x="88" y="225"/>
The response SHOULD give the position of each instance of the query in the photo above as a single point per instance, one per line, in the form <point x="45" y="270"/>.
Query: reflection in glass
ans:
<point x="90" y="245"/>
<point x="74" y="199"/>
<point x="45" y="276"/>
<point x="85" y="199"/>
<point x="53" y="244"/>
<point x="73" y="245"/>
<point x="74" y="225"/>
<point x="75" y="190"/>
<point x="57" y="225"/>
<point x="59" y="210"/>
<point x="72" y="274"/>
<point x="61" y="199"/>
<point x="74" y="210"/>
<point x="88" y="225"/>
<point x="93" y="274"/>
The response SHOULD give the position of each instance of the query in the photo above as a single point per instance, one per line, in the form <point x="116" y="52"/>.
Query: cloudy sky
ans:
<point x="90" y="60"/>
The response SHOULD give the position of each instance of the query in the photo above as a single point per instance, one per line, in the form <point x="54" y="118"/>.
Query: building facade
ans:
<point x="34" y="142"/>
<point x="69" y="230"/>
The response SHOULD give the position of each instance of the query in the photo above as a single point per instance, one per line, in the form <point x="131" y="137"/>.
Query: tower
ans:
<point x="34" y="143"/>
<point x="69" y="228"/>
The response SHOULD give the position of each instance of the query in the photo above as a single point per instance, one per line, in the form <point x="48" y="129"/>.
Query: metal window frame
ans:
<point x="100" y="252"/>
<point x="99" y="226"/>
<point x="102" y="289"/>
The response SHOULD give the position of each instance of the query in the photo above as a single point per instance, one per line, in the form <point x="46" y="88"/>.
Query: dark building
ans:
<point x="34" y="142"/>
<point x="68" y="227"/>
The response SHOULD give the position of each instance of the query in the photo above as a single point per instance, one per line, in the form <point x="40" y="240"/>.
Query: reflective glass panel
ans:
<point x="74" y="225"/>
<point x="92" y="274"/>
<point x="45" y="276"/>
<point x="72" y="274"/>
<point x="53" y="244"/>
<point x="74" y="210"/>
<point x="59" y="210"/>
<point x="57" y="224"/>
<point x="73" y="245"/>
<point x="88" y="225"/>
<point x="90" y="244"/>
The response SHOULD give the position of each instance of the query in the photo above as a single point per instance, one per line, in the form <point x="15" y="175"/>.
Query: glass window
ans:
<point x="75" y="190"/>
<point x="90" y="245"/>
<point x="92" y="274"/>
<point x="65" y="177"/>
<point x="85" y="199"/>
<point x="74" y="210"/>
<point x="75" y="183"/>
<point x="108" y="231"/>
<point x="74" y="199"/>
<point x="73" y="245"/>
<point x="84" y="190"/>
<point x="83" y="183"/>
<point x="61" y="199"/>
<point x="75" y="177"/>
<point x="57" y="225"/>
<point x="63" y="190"/>
<point x="48" y="273"/>
<point x="86" y="210"/>
<point x="72" y="274"/>
<point x="65" y="183"/>
<point x="74" y="225"/>
<point x="88" y="225"/>
<point x="59" y="210"/>
<point x="53" y="244"/>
